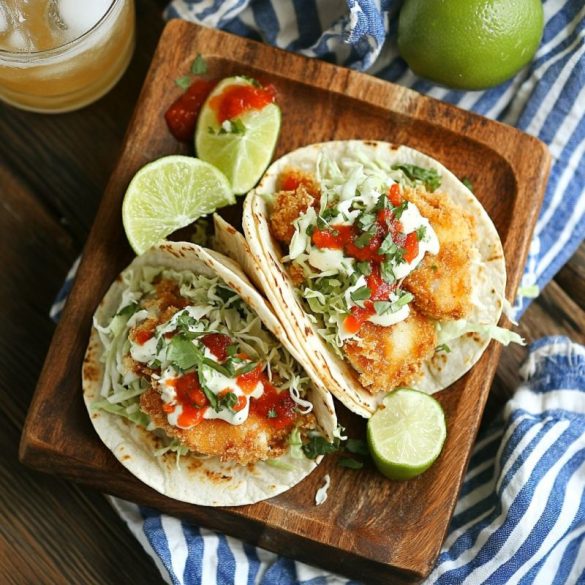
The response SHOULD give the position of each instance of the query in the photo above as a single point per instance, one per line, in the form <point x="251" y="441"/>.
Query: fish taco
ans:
<point x="190" y="381"/>
<point x="381" y="264"/>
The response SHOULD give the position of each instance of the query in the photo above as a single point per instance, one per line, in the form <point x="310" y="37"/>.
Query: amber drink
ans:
<point x="60" y="55"/>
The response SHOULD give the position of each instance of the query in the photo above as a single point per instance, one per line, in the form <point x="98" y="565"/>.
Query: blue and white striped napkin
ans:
<point x="520" y="517"/>
<point x="521" y="513"/>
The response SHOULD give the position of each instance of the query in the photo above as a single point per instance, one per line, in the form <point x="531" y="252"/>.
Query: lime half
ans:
<point x="407" y="434"/>
<point x="241" y="148"/>
<point x="168" y="194"/>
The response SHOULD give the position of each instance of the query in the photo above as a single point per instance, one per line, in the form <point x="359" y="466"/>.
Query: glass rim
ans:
<point x="19" y="56"/>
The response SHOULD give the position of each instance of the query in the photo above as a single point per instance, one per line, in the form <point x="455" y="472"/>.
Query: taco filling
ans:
<point x="186" y="358"/>
<point x="379" y="259"/>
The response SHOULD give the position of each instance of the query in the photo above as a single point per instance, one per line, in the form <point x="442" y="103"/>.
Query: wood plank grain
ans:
<point x="371" y="521"/>
<point x="44" y="535"/>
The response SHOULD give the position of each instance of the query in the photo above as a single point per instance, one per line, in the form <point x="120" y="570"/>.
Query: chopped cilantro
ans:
<point x="245" y="369"/>
<point x="318" y="445"/>
<point x="382" y="203"/>
<point x="467" y="183"/>
<point x="232" y="349"/>
<point x="329" y="213"/>
<point x="361" y="294"/>
<point x="224" y="293"/>
<point x="128" y="310"/>
<point x="364" y="268"/>
<point x="388" y="246"/>
<point x="382" y="307"/>
<point x="364" y="239"/>
<point x="182" y="353"/>
<point x="429" y="177"/>
<point x="238" y="126"/>
<point x="350" y="463"/>
<point x="404" y="299"/>
<point x="235" y="126"/>
<point x="357" y="446"/>
<point x="199" y="66"/>
<point x="183" y="82"/>
<point x="228" y="400"/>
<point x="366" y="220"/>
<point x="421" y="232"/>
<point x="387" y="271"/>
<point x="271" y="413"/>
<point x="443" y="347"/>
<point x="211" y="397"/>
<point x="400" y="209"/>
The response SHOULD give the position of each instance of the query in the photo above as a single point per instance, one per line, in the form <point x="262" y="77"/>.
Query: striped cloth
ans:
<point x="521" y="513"/>
<point x="520" y="517"/>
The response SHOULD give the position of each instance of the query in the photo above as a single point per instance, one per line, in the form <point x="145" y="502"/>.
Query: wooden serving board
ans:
<point x="369" y="528"/>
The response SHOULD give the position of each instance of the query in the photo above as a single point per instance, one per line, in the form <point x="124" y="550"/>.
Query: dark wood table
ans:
<point x="53" y="170"/>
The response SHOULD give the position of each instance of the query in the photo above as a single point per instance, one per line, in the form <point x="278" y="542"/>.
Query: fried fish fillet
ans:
<point x="252" y="441"/>
<point x="387" y="357"/>
<point x="288" y="206"/>
<point x="442" y="284"/>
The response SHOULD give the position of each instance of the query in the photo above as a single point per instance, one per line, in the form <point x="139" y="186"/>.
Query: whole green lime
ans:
<point x="469" y="44"/>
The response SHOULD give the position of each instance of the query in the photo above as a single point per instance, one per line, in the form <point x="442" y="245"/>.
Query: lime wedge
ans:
<point x="168" y="194"/>
<point x="241" y="148"/>
<point x="407" y="434"/>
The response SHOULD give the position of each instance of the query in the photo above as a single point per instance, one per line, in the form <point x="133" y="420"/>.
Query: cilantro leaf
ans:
<point x="199" y="66"/>
<point x="350" y="463"/>
<point x="443" y="347"/>
<point x="183" y="82"/>
<point x="318" y="445"/>
<point x="182" y="353"/>
<point x="364" y="239"/>
<point x="399" y="210"/>
<point x="364" y="268"/>
<point x="387" y="271"/>
<point x="128" y="310"/>
<point x="271" y="413"/>
<point x="467" y="183"/>
<point x="388" y="246"/>
<point x="228" y="400"/>
<point x="421" y="232"/>
<point x="366" y="220"/>
<point x="361" y="294"/>
<point x="357" y="446"/>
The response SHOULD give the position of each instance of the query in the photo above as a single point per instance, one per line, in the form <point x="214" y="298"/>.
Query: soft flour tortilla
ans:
<point x="196" y="480"/>
<point x="338" y="375"/>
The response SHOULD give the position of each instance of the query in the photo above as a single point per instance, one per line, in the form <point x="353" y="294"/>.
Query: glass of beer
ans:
<point x="61" y="55"/>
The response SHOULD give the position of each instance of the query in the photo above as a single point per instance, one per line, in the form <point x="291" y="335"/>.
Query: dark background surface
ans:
<point x="53" y="170"/>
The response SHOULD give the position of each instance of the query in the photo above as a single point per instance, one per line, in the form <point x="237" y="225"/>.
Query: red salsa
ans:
<point x="236" y="100"/>
<point x="181" y="117"/>
<point x="191" y="398"/>
<point x="217" y="343"/>
<point x="278" y="408"/>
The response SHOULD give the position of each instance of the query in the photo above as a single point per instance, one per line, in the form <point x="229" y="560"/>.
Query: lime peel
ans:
<point x="241" y="155"/>
<point x="407" y="434"/>
<point x="169" y="194"/>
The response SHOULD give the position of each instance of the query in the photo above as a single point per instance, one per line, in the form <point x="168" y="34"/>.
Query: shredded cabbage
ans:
<point x="449" y="330"/>
<point x="218" y="309"/>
